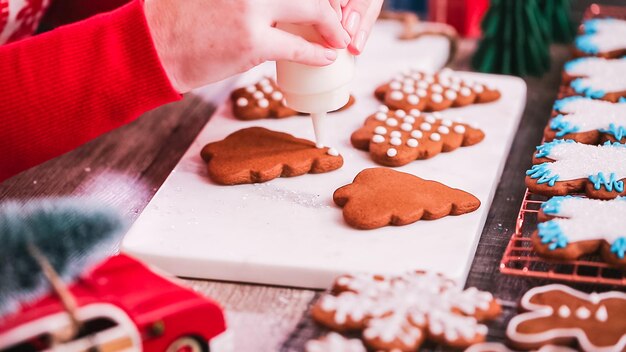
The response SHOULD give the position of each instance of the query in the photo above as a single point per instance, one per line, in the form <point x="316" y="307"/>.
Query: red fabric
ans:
<point x="65" y="87"/>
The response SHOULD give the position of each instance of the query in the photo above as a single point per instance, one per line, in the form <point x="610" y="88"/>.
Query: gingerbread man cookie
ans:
<point x="433" y="92"/>
<point x="587" y="121"/>
<point x="603" y="37"/>
<point x="564" y="167"/>
<point x="378" y="197"/>
<point x="597" y="78"/>
<point x="263" y="100"/>
<point x="570" y="227"/>
<point x="398" y="313"/>
<point x="333" y="342"/>
<point x="257" y="154"/>
<point x="560" y="315"/>
<point x="395" y="138"/>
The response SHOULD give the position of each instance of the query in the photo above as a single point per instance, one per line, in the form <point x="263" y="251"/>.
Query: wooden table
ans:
<point x="125" y="168"/>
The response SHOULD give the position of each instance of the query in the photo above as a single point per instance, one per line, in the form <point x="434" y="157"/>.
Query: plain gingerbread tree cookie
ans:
<point x="257" y="154"/>
<point x="379" y="197"/>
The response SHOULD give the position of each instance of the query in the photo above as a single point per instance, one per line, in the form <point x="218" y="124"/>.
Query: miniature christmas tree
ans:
<point x="557" y="13"/>
<point x="63" y="237"/>
<point x="515" y="39"/>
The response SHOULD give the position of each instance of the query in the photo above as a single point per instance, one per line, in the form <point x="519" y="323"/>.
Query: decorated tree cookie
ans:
<point x="263" y="100"/>
<point x="572" y="226"/>
<point x="587" y="121"/>
<point x="560" y="315"/>
<point x="395" y="138"/>
<point x="433" y="92"/>
<point x="398" y="313"/>
<point x="257" y="154"/>
<point x="334" y="342"/>
<point x="604" y="37"/>
<point x="564" y="167"/>
<point x="597" y="78"/>
<point x="378" y="197"/>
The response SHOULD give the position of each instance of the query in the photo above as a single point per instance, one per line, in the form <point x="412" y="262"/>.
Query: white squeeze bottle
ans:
<point x="315" y="90"/>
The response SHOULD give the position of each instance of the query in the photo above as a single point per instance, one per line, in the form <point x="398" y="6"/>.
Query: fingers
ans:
<point x="319" y="13"/>
<point x="359" y="17"/>
<point x="286" y="46"/>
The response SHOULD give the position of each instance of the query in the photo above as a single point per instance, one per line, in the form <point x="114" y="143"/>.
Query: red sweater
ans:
<point x="65" y="87"/>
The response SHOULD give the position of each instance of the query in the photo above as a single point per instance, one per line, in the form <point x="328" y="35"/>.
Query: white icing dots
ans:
<point x="277" y="96"/>
<point x="430" y="118"/>
<point x="391" y="152"/>
<point x="268" y="89"/>
<point x="380" y="130"/>
<point x="391" y="122"/>
<point x="583" y="313"/>
<point x="460" y="129"/>
<point x="263" y="103"/>
<point x="242" y="102"/>
<point x="436" y="98"/>
<point x="411" y="142"/>
<point x="564" y="311"/>
<point x="380" y="116"/>
<point x="396" y="95"/>
<point x="450" y="94"/>
<point x="395" y="134"/>
<point x="395" y="141"/>
<point x="413" y="99"/>
<point x="466" y="92"/>
<point x="415" y="112"/>
<point x="264" y="82"/>
<point x="400" y="113"/>
<point x="332" y="152"/>
<point x="395" y="85"/>
<point x="406" y="127"/>
<point x="408" y="89"/>
<point x="258" y="95"/>
<point x="417" y="134"/>
<point x="425" y="126"/>
<point x="478" y="88"/>
<point x="409" y="119"/>
<point x="422" y="85"/>
<point x="378" y="138"/>
<point x="383" y="108"/>
<point x="602" y="314"/>
<point x="436" y="88"/>
<point x="446" y="122"/>
<point x="443" y="130"/>
<point x="422" y="93"/>
<point x="436" y="137"/>
<point x="429" y="79"/>
<point x="251" y="89"/>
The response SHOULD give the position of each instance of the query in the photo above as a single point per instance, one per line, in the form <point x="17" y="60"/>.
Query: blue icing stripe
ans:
<point x="614" y="144"/>
<point x="550" y="232"/>
<point x="619" y="247"/>
<point x="585" y="44"/>
<point x="553" y="205"/>
<point x="612" y="183"/>
<point x="545" y="149"/>
<point x="563" y="127"/>
<point x="621" y="100"/>
<point x="543" y="174"/>
<point x="617" y="131"/>
<point x="562" y="103"/>
<point x="573" y="63"/>
<point x="581" y="88"/>
<point x="591" y="26"/>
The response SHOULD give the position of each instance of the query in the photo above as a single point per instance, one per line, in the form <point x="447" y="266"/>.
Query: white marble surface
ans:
<point x="288" y="231"/>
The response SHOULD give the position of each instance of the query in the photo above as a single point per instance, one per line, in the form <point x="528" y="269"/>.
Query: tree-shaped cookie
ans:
<point x="571" y="227"/>
<point x="398" y="313"/>
<point x="559" y="315"/>
<point x="588" y="121"/>
<point x="564" y="167"/>
<point x="395" y="138"/>
<point x="378" y="197"/>
<point x="263" y="100"/>
<point x="597" y="77"/>
<point x="603" y="37"/>
<point x="257" y="154"/>
<point x="433" y="92"/>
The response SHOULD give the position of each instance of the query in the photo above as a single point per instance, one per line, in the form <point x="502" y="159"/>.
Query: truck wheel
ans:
<point x="186" y="344"/>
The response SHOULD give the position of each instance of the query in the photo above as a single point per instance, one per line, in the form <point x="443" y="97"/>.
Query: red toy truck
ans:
<point x="123" y="306"/>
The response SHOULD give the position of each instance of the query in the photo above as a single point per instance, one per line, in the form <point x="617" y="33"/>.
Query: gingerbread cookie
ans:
<point x="433" y="92"/>
<point x="597" y="78"/>
<point x="560" y="315"/>
<point x="264" y="100"/>
<point x="378" y="197"/>
<point x="398" y="313"/>
<point x="564" y="167"/>
<point x="395" y="138"/>
<point x="570" y="227"/>
<point x="257" y="154"/>
<point x="587" y="121"/>
<point x="499" y="347"/>
<point x="603" y="37"/>
<point x="333" y="342"/>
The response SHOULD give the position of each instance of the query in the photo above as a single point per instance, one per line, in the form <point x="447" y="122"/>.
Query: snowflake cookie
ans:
<point x="333" y="342"/>
<point x="588" y="121"/>
<point x="433" y="92"/>
<point x="380" y="196"/>
<point x="263" y="100"/>
<point x="604" y="37"/>
<point x="597" y="78"/>
<point x="395" y="138"/>
<point x="564" y="167"/>
<point x="570" y="227"/>
<point x="397" y="313"/>
<point x="557" y="314"/>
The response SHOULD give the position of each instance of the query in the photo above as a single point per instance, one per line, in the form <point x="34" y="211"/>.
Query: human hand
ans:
<point x="358" y="18"/>
<point x="204" y="41"/>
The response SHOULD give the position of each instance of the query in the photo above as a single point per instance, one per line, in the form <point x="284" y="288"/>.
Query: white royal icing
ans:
<point x="460" y="129"/>
<point x="413" y="99"/>
<point x="599" y="74"/>
<point x="383" y="108"/>
<point x="396" y="95"/>
<point x="391" y="152"/>
<point x="258" y="94"/>
<point x="590" y="114"/>
<point x="564" y="311"/>
<point x="334" y="342"/>
<point x="395" y="141"/>
<point x="378" y="138"/>
<point x="242" y="102"/>
<point x="411" y="142"/>
<point x="391" y="122"/>
<point x="437" y="98"/>
<point x="380" y="130"/>
<point x="277" y="95"/>
<point x="443" y="129"/>
<point x="380" y="116"/>
<point x="264" y="103"/>
<point x="400" y="113"/>
<point x="435" y="137"/>
<point x="395" y="134"/>
<point x="609" y="35"/>
<point x="251" y="89"/>
<point x="409" y="119"/>
<point x="417" y="134"/>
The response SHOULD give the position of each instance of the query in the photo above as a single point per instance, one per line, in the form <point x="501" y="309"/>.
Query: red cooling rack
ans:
<point x="520" y="259"/>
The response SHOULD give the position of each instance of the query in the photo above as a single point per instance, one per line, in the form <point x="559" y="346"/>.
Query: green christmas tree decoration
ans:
<point x="557" y="13"/>
<point x="72" y="234"/>
<point x="515" y="39"/>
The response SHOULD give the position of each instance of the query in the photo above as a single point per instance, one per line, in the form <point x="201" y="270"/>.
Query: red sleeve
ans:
<point x="63" y="88"/>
